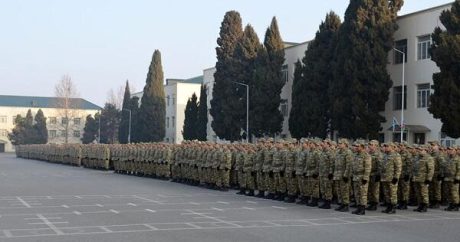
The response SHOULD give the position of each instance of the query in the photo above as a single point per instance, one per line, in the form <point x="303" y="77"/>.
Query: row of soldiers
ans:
<point x="307" y="171"/>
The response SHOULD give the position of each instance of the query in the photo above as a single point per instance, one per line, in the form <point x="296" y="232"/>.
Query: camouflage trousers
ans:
<point x="453" y="192"/>
<point x="250" y="181"/>
<point x="435" y="190"/>
<point x="374" y="190"/>
<point x="269" y="182"/>
<point x="241" y="179"/>
<point x="390" y="192"/>
<point x="202" y="175"/>
<point x="279" y="182"/>
<point x="313" y="187"/>
<point x="343" y="191"/>
<point x="326" y="188"/>
<point x="421" y="192"/>
<point x="403" y="190"/>
<point x="302" y="184"/>
<point x="234" y="177"/>
<point x="291" y="183"/>
<point x="260" y="181"/>
<point x="360" y="192"/>
<point x="222" y="178"/>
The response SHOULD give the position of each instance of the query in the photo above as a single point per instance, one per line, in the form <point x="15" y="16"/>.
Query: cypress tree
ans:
<point x="445" y="51"/>
<point x="202" y="120"/>
<point x="226" y="104"/>
<point x="17" y="136"/>
<point x="191" y="119"/>
<point x="152" y="113"/>
<point x="29" y="131"/>
<point x="39" y="128"/>
<point x="123" y="130"/>
<point x="310" y="99"/>
<point x="90" y="130"/>
<point x="266" y="118"/>
<point x="110" y="117"/>
<point x="134" y="105"/>
<point x="361" y="83"/>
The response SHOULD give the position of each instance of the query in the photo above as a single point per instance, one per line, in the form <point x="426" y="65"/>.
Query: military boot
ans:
<point x="402" y="205"/>
<point x="372" y="206"/>
<point x="344" y="208"/>
<point x="313" y="202"/>
<point x="361" y="210"/>
<point x="281" y="196"/>
<point x="303" y="200"/>
<point x="326" y="205"/>
<point x="270" y="196"/>
<point x="434" y="204"/>
<point x="422" y="208"/>
<point x="452" y="207"/>
<point x="250" y="193"/>
<point x="276" y="196"/>
<point x="261" y="194"/>
<point x="241" y="192"/>
<point x="390" y="209"/>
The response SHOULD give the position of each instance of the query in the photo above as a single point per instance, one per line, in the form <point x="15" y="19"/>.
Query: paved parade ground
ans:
<point x="41" y="201"/>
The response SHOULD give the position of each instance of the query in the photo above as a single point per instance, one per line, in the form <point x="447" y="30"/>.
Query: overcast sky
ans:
<point x="101" y="44"/>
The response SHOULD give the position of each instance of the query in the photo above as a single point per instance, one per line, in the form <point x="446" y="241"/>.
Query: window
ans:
<point x="64" y="120"/>
<point x="284" y="107"/>
<point x="167" y="100"/>
<point x="173" y="99"/>
<point x="3" y="119"/>
<point x="14" y="119"/>
<point x="52" y="133"/>
<point x="173" y="121"/>
<point x="423" y="47"/>
<point x="285" y="73"/>
<point x="397" y="97"/>
<point x="3" y="133"/>
<point x="167" y="122"/>
<point x="63" y="133"/>
<point x="381" y="138"/>
<point x="446" y="140"/>
<point x="397" y="137"/>
<point x="419" y="138"/>
<point x="53" y="120"/>
<point x="400" y="45"/>
<point x="423" y="95"/>
<point x="76" y="133"/>
<point x="77" y="121"/>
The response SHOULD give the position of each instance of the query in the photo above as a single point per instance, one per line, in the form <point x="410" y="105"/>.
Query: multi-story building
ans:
<point x="12" y="106"/>
<point x="177" y="93"/>
<point x="413" y="38"/>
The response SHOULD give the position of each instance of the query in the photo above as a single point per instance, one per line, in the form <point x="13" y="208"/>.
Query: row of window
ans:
<point x="168" y="99"/>
<point x="3" y="133"/>
<point x="52" y="120"/>
<point x="419" y="138"/>
<point x="61" y="133"/>
<point x="423" y="49"/>
<point x="173" y="122"/>
<point x="423" y="96"/>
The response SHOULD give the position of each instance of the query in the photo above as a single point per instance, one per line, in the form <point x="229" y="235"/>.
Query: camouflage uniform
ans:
<point x="267" y="170"/>
<point x="326" y="174"/>
<point x="361" y="170"/>
<point x="258" y="168"/>
<point x="374" y="182"/>
<point x="450" y="171"/>
<point x="342" y="175"/>
<point x="404" y="181"/>
<point x="278" y="165"/>
<point x="435" y="190"/>
<point x="312" y="173"/>
<point x="290" y="173"/>
<point x="390" y="171"/>
<point x="249" y="174"/>
<point x="422" y="171"/>
<point x="301" y="160"/>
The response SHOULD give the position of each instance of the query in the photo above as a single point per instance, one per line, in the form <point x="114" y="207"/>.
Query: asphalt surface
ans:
<point x="41" y="201"/>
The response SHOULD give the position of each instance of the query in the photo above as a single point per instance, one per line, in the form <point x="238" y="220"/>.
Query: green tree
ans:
<point x="17" y="136"/>
<point x="110" y="120"/>
<point x="310" y="112"/>
<point x="152" y="113"/>
<point x="226" y="103"/>
<point x="134" y="105"/>
<point x="123" y="130"/>
<point x="191" y="119"/>
<point x="445" y="52"/>
<point x="90" y="131"/>
<point x="266" y="118"/>
<point x="202" y="120"/>
<point x="40" y="132"/>
<point x="361" y="83"/>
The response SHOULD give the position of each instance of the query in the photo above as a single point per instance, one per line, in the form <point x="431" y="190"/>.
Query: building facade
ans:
<point x="177" y="93"/>
<point x="12" y="106"/>
<point x="413" y="38"/>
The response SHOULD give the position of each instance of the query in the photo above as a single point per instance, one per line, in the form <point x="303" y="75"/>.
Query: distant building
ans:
<point x="177" y="93"/>
<point x="414" y="38"/>
<point x="11" y="106"/>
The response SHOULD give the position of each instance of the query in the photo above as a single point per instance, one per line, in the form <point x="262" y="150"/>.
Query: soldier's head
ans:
<point x="343" y="143"/>
<point x="373" y="145"/>
<point x="434" y="146"/>
<point x="359" y="146"/>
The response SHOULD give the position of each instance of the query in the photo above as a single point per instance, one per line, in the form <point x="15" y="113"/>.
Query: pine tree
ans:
<point x="29" y="131"/>
<point x="445" y="51"/>
<point x="226" y="104"/>
<point x="361" y="83"/>
<point x="310" y="100"/>
<point x="134" y="105"/>
<point x="266" y="86"/>
<point x="110" y="118"/>
<point x="17" y="136"/>
<point x="152" y="113"/>
<point x="191" y="119"/>
<point x="90" y="130"/>
<point x="202" y="120"/>
<point x="123" y="130"/>
<point x="40" y="132"/>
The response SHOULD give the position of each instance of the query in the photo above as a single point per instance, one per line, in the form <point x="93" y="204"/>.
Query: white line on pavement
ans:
<point x="150" y="210"/>
<point x="114" y="211"/>
<point x="50" y="225"/>
<point x="23" y="202"/>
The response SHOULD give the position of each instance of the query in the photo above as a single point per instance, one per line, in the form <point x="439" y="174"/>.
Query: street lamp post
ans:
<point x="99" y="128"/>
<point x="247" y="108"/>
<point x="129" y="130"/>
<point x="401" y="125"/>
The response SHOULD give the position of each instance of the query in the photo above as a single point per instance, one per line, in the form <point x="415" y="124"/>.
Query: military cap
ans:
<point x="374" y="142"/>
<point x="359" y="142"/>
<point x="433" y="142"/>
<point x="344" y="141"/>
